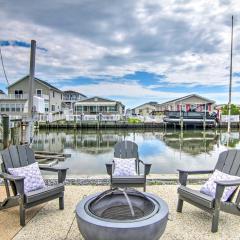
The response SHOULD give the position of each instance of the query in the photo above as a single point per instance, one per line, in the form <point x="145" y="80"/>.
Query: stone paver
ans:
<point x="9" y="218"/>
<point x="53" y="224"/>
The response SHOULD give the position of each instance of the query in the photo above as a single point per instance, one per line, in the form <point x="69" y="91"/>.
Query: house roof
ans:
<point x="186" y="97"/>
<point x="39" y="80"/>
<point x="149" y="103"/>
<point x="71" y="91"/>
<point x="2" y="92"/>
<point x="98" y="99"/>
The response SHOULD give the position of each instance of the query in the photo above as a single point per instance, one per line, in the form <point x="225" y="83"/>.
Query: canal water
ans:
<point x="166" y="150"/>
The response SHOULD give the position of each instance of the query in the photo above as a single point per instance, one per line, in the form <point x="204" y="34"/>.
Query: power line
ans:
<point x="3" y="67"/>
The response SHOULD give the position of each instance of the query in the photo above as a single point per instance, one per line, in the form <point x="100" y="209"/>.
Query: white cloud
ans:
<point x="188" y="41"/>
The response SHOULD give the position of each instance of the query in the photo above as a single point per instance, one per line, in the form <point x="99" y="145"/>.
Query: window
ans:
<point x="53" y="108"/>
<point x="2" y="107"/>
<point x="112" y="109"/>
<point x="12" y="106"/>
<point x="18" y="94"/>
<point x="7" y="107"/>
<point x="93" y="109"/>
<point x="18" y="107"/>
<point x="78" y="108"/>
<point x="39" y="92"/>
<point x="53" y="94"/>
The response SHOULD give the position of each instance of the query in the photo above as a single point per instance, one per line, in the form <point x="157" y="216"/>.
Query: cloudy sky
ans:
<point x="134" y="51"/>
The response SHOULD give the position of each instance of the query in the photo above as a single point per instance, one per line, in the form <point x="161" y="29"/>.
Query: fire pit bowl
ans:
<point x="122" y="214"/>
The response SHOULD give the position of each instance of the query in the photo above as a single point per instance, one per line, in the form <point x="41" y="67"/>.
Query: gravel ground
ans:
<point x="193" y="223"/>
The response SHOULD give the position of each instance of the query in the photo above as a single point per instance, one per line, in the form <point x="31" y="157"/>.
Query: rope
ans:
<point x="4" y="71"/>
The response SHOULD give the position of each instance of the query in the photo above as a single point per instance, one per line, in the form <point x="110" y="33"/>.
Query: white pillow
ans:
<point x="124" y="167"/>
<point x="33" y="178"/>
<point x="209" y="188"/>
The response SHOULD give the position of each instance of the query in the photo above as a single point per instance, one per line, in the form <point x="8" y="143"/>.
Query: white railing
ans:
<point x="21" y="96"/>
<point x="233" y="118"/>
<point x="79" y="118"/>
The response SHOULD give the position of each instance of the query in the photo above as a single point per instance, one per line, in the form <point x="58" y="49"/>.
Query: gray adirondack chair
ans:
<point x="228" y="162"/>
<point x="19" y="156"/>
<point x="128" y="149"/>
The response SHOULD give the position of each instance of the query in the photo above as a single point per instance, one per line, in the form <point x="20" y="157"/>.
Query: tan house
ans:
<point x="145" y="109"/>
<point x="96" y="105"/>
<point x="15" y="103"/>
<point x="187" y="103"/>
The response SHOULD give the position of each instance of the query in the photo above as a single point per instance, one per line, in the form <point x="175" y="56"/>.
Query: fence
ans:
<point x="233" y="118"/>
<point x="78" y="118"/>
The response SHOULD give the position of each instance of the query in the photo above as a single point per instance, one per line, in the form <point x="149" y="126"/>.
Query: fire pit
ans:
<point x="120" y="214"/>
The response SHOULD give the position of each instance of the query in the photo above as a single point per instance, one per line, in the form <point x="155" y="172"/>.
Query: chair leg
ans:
<point x="215" y="219"/>
<point x="61" y="203"/>
<point x="22" y="214"/>
<point x="179" y="205"/>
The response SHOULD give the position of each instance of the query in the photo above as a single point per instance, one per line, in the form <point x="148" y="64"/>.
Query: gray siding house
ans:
<point x="145" y="109"/>
<point x="15" y="103"/>
<point x="192" y="102"/>
<point x="96" y="105"/>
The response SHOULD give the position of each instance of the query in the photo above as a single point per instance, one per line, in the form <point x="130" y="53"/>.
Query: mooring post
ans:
<point x="5" y="123"/>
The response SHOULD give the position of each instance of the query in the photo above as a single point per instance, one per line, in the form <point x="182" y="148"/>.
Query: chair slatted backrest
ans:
<point x="127" y="149"/>
<point x="229" y="162"/>
<point x="17" y="156"/>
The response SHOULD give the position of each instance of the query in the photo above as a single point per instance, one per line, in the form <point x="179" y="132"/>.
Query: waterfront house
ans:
<point x="71" y="97"/>
<point x="15" y="103"/>
<point x="192" y="102"/>
<point x="145" y="109"/>
<point x="97" y="105"/>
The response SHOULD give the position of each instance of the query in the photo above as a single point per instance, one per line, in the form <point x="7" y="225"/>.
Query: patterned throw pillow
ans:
<point x="33" y="178"/>
<point x="209" y="188"/>
<point x="124" y="167"/>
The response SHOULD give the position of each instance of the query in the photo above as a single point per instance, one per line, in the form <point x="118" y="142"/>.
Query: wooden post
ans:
<point x="5" y="123"/>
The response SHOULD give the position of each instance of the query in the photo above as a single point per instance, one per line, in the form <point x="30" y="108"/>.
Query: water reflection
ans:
<point x="167" y="150"/>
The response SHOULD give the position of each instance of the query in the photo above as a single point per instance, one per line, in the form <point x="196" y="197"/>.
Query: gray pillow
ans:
<point x="33" y="178"/>
<point x="209" y="188"/>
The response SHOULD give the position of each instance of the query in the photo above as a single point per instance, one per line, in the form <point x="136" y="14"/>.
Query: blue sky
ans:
<point x="132" y="51"/>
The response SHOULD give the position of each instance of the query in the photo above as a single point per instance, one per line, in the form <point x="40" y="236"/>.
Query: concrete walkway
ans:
<point x="51" y="223"/>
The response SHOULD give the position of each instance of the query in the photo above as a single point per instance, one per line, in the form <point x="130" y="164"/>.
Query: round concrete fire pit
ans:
<point x="122" y="215"/>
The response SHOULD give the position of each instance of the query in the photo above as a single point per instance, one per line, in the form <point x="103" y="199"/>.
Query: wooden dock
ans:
<point x="125" y="125"/>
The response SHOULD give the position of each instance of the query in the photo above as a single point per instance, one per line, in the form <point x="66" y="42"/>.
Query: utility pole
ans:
<point x="230" y="83"/>
<point x="31" y="90"/>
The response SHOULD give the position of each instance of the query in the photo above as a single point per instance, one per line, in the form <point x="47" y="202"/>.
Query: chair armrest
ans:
<point x="62" y="172"/>
<point x="192" y="172"/>
<point x="109" y="168"/>
<point x="19" y="181"/>
<point x="10" y="177"/>
<point x="228" y="183"/>
<point x="147" y="167"/>
<point x="183" y="174"/>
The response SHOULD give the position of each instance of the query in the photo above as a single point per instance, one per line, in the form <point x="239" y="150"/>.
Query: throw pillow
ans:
<point x="33" y="178"/>
<point x="124" y="167"/>
<point x="209" y="188"/>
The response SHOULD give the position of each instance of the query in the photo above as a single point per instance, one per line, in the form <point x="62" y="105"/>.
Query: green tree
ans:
<point x="235" y="110"/>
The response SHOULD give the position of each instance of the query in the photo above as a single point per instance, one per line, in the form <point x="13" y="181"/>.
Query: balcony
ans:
<point x="20" y="96"/>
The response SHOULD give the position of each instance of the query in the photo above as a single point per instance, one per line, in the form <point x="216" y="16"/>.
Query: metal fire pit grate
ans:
<point x="121" y="204"/>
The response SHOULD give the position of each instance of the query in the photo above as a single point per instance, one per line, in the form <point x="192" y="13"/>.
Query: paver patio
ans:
<point x="47" y="222"/>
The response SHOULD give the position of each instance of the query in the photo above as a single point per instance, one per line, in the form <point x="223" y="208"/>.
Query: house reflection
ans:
<point x="191" y="142"/>
<point x="88" y="141"/>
